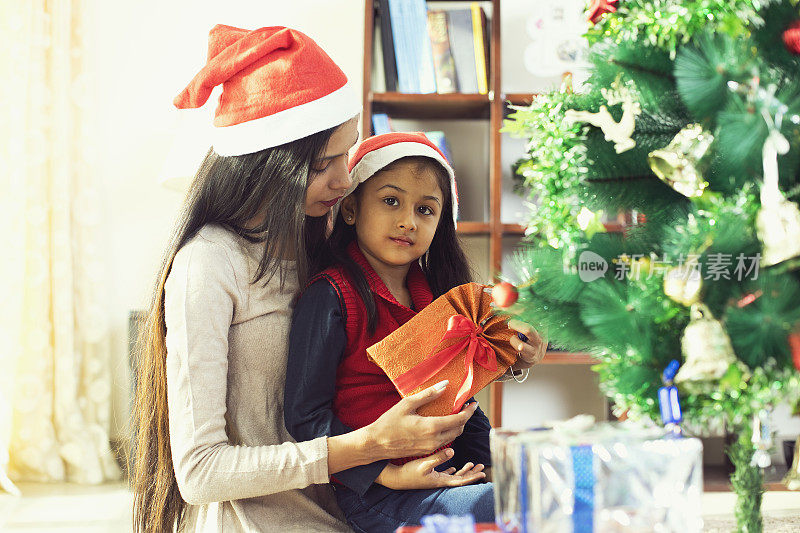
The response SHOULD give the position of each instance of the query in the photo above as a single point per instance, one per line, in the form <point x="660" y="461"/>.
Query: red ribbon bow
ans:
<point x="598" y="8"/>
<point x="478" y="350"/>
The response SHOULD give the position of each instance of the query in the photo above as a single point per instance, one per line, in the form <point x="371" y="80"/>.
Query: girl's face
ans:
<point x="396" y="213"/>
<point x="328" y="179"/>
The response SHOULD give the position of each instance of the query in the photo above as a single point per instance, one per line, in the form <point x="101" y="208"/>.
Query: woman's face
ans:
<point x="328" y="179"/>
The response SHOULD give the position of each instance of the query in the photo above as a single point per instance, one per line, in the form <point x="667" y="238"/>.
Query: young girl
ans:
<point x="394" y="249"/>
<point x="211" y="450"/>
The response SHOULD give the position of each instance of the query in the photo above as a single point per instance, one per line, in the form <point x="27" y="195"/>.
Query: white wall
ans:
<point x="145" y="53"/>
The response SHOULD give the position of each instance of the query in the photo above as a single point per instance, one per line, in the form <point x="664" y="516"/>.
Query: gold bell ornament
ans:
<point x="678" y="163"/>
<point x="792" y="477"/>
<point x="706" y="347"/>
<point x="683" y="283"/>
<point x="778" y="220"/>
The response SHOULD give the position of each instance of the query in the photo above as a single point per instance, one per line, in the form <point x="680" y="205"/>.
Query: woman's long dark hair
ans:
<point x="445" y="265"/>
<point x="230" y="191"/>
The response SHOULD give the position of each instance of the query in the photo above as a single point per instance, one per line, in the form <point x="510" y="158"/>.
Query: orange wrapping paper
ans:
<point x="421" y="337"/>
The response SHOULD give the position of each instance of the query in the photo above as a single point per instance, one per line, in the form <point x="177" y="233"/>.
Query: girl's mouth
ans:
<point x="401" y="241"/>
<point x="331" y="203"/>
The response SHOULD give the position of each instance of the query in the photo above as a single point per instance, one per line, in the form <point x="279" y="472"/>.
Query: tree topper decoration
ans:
<point x="618" y="132"/>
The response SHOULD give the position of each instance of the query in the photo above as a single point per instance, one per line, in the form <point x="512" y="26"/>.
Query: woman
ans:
<point x="212" y="452"/>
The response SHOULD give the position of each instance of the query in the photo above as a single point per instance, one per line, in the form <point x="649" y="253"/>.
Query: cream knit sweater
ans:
<point x="235" y="463"/>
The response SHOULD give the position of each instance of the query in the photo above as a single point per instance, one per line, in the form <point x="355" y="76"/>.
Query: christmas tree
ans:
<point x="690" y="124"/>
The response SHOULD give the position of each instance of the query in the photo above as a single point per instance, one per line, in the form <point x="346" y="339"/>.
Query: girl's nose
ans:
<point x="407" y="221"/>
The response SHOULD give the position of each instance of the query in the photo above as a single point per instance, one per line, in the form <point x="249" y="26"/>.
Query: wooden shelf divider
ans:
<point x="521" y="99"/>
<point x="514" y="229"/>
<point x="568" y="358"/>
<point x="717" y="478"/>
<point x="472" y="228"/>
<point x="432" y="106"/>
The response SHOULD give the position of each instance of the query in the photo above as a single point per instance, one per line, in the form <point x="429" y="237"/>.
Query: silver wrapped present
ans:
<point x="607" y="477"/>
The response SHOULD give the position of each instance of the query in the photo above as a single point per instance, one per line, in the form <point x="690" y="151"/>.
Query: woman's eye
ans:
<point x="320" y="168"/>
<point x="390" y="200"/>
<point x="425" y="210"/>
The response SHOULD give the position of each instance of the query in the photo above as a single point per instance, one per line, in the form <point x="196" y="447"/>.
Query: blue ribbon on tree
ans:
<point x="668" y="400"/>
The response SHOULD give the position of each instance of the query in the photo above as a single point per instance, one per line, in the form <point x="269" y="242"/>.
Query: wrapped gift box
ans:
<point x="609" y="477"/>
<point x="479" y="528"/>
<point x="457" y="337"/>
<point x="439" y="523"/>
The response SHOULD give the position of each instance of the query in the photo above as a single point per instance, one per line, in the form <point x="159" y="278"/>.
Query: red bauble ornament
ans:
<point x="794" y="344"/>
<point x="504" y="294"/>
<point x="598" y="8"/>
<point x="791" y="38"/>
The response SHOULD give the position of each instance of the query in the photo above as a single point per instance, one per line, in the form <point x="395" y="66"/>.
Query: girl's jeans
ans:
<point x="382" y="510"/>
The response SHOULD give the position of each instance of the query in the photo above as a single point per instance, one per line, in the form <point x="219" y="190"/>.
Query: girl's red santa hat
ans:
<point x="379" y="151"/>
<point x="278" y="86"/>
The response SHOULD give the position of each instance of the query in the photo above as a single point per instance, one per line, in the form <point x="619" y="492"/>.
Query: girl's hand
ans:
<point x="401" y="432"/>
<point x="531" y="351"/>
<point x="421" y="474"/>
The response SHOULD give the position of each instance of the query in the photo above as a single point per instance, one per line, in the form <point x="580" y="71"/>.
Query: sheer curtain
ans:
<point x="55" y="384"/>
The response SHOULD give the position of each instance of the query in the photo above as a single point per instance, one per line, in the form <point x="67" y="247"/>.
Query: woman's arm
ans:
<point x="199" y="300"/>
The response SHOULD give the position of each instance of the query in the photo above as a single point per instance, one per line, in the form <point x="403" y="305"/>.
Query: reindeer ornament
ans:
<point x="618" y="132"/>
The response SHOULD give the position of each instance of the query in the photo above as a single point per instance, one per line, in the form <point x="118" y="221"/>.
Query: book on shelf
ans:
<point x="381" y="123"/>
<point x="480" y="41"/>
<point x="386" y="42"/>
<point x="462" y="47"/>
<point x="438" y="138"/>
<point x="443" y="63"/>
<point x="412" y="49"/>
<point x="377" y="77"/>
<point x="421" y="45"/>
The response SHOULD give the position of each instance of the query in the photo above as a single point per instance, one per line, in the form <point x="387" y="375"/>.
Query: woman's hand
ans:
<point x="531" y="351"/>
<point x="421" y="474"/>
<point x="401" y="432"/>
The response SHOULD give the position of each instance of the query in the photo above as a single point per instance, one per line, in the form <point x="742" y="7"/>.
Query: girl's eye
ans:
<point x="390" y="200"/>
<point x="425" y="210"/>
<point x="317" y="168"/>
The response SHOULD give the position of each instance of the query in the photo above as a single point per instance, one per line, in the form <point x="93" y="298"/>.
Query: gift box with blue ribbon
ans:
<point x="579" y="476"/>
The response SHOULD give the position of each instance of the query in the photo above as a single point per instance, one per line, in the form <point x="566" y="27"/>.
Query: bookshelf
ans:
<point x="489" y="108"/>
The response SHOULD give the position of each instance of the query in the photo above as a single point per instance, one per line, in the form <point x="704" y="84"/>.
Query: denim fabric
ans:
<point x="382" y="510"/>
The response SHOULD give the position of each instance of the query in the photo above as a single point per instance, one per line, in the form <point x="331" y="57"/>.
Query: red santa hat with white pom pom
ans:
<point x="278" y="86"/>
<point x="379" y="151"/>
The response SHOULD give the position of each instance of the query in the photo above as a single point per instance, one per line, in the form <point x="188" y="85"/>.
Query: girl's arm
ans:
<point x="422" y="473"/>
<point x="473" y="444"/>
<point x="316" y="344"/>
<point x="200" y="295"/>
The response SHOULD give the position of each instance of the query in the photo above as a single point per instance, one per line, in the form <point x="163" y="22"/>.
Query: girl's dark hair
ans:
<point x="229" y="191"/>
<point x="445" y="265"/>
